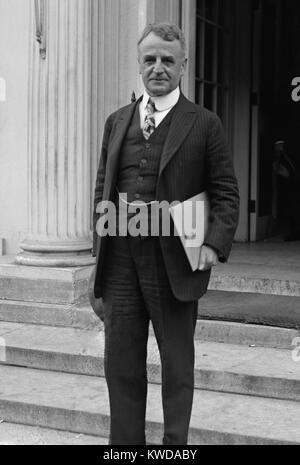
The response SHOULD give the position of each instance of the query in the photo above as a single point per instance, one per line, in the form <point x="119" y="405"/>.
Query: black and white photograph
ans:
<point x="149" y="225"/>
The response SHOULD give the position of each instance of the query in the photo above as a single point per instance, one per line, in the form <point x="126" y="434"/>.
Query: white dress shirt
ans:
<point x="163" y="105"/>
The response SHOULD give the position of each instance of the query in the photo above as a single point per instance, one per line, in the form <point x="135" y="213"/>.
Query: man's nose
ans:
<point x="158" y="68"/>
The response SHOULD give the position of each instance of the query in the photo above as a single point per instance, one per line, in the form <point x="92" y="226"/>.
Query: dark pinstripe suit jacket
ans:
<point x="194" y="158"/>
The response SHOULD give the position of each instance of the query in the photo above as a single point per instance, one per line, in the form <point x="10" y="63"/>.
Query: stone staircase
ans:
<point x="247" y="385"/>
<point x="52" y="377"/>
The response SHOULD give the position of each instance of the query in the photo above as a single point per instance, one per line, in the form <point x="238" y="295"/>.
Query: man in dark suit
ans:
<point x="161" y="148"/>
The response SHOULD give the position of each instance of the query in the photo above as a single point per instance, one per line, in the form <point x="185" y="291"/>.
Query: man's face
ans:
<point x="162" y="63"/>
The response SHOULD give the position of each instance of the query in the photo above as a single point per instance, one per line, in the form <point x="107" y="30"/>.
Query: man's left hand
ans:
<point x="208" y="258"/>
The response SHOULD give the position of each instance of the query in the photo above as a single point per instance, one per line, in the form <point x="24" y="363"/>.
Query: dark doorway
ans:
<point x="278" y="117"/>
<point x="287" y="126"/>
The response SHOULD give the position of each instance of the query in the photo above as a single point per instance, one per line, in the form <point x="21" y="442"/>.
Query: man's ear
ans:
<point x="139" y="61"/>
<point x="140" y="67"/>
<point x="183" y="67"/>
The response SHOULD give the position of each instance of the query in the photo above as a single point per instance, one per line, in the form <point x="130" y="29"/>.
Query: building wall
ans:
<point x="14" y="30"/>
<point x="115" y="30"/>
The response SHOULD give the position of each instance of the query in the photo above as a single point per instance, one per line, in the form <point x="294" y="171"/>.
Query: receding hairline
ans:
<point x="166" y="31"/>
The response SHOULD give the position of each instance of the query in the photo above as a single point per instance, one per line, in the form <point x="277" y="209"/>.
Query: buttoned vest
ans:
<point x="140" y="159"/>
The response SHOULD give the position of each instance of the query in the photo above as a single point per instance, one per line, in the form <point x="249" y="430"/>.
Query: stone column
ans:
<point x="59" y="137"/>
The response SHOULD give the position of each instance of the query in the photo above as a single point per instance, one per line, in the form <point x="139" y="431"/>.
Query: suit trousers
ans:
<point x="137" y="290"/>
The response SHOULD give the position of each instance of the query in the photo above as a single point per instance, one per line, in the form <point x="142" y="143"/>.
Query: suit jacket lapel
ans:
<point x="182" y="121"/>
<point x="121" y="126"/>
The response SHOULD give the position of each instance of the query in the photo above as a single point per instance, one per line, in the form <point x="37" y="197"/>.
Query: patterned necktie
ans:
<point x="149" y="123"/>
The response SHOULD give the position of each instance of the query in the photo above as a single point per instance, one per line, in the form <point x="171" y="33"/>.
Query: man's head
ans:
<point x="161" y="55"/>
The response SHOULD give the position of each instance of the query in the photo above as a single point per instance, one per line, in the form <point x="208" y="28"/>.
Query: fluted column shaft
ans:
<point x="86" y="69"/>
<point x="59" y="138"/>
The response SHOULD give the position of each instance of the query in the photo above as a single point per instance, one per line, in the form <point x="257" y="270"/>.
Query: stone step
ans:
<point x="230" y="332"/>
<point x="280" y="311"/>
<point x="218" y="366"/>
<point x="74" y="316"/>
<point x="79" y="404"/>
<point x="52" y="285"/>
<point x="247" y="307"/>
<point x="257" y="292"/>
<point x="257" y="278"/>
<point x="24" y="435"/>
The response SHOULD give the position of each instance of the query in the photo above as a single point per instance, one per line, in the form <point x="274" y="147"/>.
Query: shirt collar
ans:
<point x="164" y="102"/>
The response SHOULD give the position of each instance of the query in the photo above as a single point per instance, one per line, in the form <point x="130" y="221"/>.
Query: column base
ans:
<point x="56" y="254"/>
<point x="54" y="260"/>
<point x="46" y="296"/>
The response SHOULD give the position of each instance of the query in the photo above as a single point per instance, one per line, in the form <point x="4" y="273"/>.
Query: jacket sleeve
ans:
<point x="223" y="191"/>
<point x="100" y="179"/>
